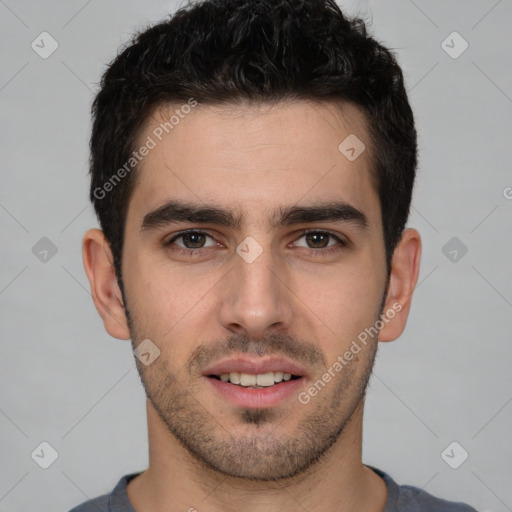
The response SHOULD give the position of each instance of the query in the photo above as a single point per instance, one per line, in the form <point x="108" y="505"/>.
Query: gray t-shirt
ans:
<point x="401" y="498"/>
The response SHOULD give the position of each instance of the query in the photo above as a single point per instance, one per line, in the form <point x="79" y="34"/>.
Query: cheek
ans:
<point x="160" y="301"/>
<point x="345" y="305"/>
<point x="149" y="292"/>
<point x="169" y="305"/>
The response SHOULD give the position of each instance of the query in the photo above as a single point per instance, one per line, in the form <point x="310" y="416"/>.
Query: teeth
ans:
<point x="247" y="379"/>
<point x="265" y="379"/>
<point x="234" y="377"/>
<point x="261" y="379"/>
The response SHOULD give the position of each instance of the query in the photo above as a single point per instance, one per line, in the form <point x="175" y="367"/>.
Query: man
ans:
<point x="252" y="169"/>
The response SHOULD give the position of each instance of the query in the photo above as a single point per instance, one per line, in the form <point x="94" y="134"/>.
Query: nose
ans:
<point x="256" y="299"/>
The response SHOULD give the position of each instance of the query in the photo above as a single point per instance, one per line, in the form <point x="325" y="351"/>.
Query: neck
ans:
<point x="339" y="481"/>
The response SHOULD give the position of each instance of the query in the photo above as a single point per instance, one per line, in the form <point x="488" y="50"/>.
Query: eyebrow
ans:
<point x="174" y="211"/>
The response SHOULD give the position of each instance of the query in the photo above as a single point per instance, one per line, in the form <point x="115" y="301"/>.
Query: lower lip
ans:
<point x="256" y="398"/>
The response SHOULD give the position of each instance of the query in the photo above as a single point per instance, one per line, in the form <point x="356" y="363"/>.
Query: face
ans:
<point x="281" y="268"/>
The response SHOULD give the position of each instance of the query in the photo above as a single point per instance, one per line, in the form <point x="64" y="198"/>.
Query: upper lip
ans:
<point x="256" y="366"/>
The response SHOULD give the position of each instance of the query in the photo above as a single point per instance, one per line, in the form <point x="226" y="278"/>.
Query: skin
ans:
<point x="205" y="452"/>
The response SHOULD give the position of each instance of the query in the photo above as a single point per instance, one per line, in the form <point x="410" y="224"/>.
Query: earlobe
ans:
<point x="97" y="259"/>
<point x="405" y="266"/>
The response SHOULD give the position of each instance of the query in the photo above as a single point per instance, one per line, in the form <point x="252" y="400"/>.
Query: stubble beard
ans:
<point x="268" y="452"/>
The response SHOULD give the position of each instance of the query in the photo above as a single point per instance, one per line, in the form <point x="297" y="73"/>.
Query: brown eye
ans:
<point x="193" y="240"/>
<point x="321" y="240"/>
<point x="317" y="240"/>
<point x="190" y="241"/>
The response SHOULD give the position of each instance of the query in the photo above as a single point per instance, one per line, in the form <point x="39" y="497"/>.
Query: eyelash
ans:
<point x="315" y="252"/>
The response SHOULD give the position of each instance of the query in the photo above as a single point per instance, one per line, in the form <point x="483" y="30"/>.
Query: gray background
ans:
<point x="63" y="380"/>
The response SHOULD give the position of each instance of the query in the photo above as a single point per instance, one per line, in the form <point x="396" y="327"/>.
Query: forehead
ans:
<point x="254" y="159"/>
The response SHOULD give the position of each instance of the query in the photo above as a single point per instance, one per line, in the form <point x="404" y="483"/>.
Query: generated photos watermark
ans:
<point x="150" y="143"/>
<point x="343" y="360"/>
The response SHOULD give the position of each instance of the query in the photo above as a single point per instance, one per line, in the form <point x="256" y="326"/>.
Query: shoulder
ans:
<point x="413" y="499"/>
<point x="116" y="501"/>
<point x="407" y="498"/>
<point x="96" y="505"/>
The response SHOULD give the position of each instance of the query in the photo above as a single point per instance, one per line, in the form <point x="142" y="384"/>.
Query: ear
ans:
<point x="405" y="267"/>
<point x="105" y="290"/>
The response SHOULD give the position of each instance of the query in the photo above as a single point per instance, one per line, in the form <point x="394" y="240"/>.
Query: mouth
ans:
<point x="255" y="383"/>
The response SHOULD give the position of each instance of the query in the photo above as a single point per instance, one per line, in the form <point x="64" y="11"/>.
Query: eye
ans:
<point x="318" y="241"/>
<point x="192" y="241"/>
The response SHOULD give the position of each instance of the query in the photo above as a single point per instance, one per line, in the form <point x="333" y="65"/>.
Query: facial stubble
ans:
<point x="270" y="449"/>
